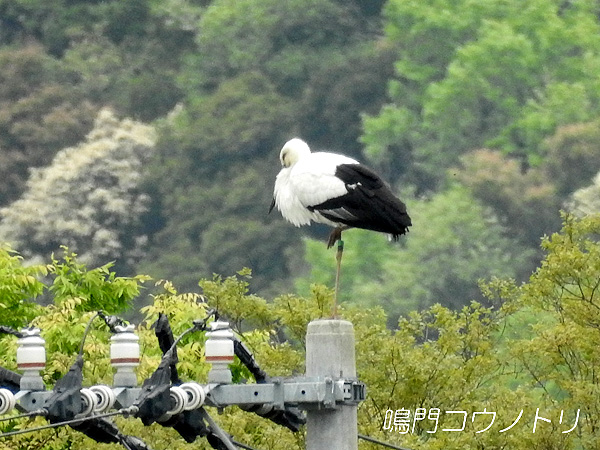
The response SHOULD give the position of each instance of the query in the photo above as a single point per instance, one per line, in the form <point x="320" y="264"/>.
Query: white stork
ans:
<point x="335" y="190"/>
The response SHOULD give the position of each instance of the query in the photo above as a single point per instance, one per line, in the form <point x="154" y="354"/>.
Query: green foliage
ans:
<point x="214" y="196"/>
<point x="565" y="285"/>
<point x="41" y="111"/>
<point x="19" y="285"/>
<point x="98" y="288"/>
<point x="476" y="358"/>
<point x="231" y="295"/>
<point x="338" y="93"/>
<point x="57" y="23"/>
<point x="472" y="104"/>
<point x="364" y="256"/>
<point x="271" y="36"/>
<point x="472" y="74"/>
<point x="77" y="291"/>
<point x="573" y="157"/>
<point x="136" y="80"/>
<point x="227" y="123"/>
<point x="122" y="54"/>
<point x="525" y="201"/>
<point x="215" y="229"/>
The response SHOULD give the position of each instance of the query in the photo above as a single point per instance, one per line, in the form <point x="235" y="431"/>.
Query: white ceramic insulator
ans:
<point x="178" y="396"/>
<point x="125" y="348"/>
<point x="31" y="351"/>
<point x="218" y="351"/>
<point x="219" y="344"/>
<point x="105" y="398"/>
<point x="195" y="395"/>
<point x="7" y="401"/>
<point x="88" y="400"/>
<point x="124" y="356"/>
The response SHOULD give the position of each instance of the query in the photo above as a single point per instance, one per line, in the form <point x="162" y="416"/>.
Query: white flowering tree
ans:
<point x="88" y="198"/>
<point x="586" y="201"/>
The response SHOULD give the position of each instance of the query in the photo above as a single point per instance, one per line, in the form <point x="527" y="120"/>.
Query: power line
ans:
<point x="384" y="444"/>
<point x="240" y="445"/>
<point x="37" y="412"/>
<point x="124" y="411"/>
<point x="87" y="330"/>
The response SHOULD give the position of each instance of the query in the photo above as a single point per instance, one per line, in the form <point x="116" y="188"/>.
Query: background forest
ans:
<point x="147" y="133"/>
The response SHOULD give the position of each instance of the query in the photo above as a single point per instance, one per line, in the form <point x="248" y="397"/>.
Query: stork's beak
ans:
<point x="272" y="206"/>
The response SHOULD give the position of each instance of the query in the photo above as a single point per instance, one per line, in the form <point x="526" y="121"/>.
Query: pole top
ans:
<point x="330" y="326"/>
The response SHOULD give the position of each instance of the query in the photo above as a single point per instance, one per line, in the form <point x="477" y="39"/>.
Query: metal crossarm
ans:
<point x="322" y="392"/>
<point x="306" y="392"/>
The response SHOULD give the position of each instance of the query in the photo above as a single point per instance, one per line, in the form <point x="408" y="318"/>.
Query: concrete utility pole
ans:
<point x="330" y="353"/>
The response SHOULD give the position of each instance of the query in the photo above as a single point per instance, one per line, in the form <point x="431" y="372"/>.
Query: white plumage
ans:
<point x="334" y="190"/>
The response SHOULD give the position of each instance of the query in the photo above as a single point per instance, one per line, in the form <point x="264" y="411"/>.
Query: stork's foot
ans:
<point x="336" y="235"/>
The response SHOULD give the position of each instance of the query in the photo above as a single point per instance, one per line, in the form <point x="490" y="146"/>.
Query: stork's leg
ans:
<point x="338" y="257"/>
<point x="336" y="235"/>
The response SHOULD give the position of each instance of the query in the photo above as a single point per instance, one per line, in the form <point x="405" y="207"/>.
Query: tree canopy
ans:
<point x="471" y="75"/>
<point x="531" y="351"/>
<point x="498" y="97"/>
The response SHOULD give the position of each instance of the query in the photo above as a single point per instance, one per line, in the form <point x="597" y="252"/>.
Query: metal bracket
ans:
<point x="28" y="401"/>
<point x="354" y="391"/>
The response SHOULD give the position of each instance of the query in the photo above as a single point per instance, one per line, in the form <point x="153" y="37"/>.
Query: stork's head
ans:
<point x="292" y="151"/>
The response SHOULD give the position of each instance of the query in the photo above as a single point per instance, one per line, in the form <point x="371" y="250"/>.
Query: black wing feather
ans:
<point x="369" y="203"/>
<point x="357" y="173"/>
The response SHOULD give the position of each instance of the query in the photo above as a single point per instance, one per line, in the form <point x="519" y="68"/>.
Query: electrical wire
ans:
<point x="384" y="444"/>
<point x="225" y="439"/>
<point x="123" y="411"/>
<point x="240" y="445"/>
<point x="198" y="325"/>
<point x="37" y="412"/>
<point x="87" y="330"/>
<point x="8" y="330"/>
